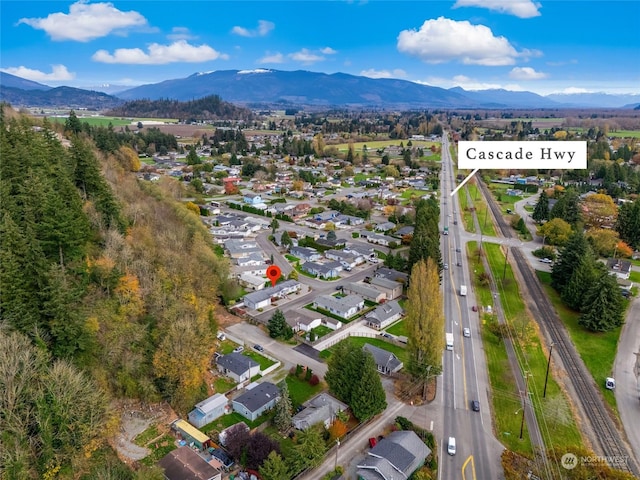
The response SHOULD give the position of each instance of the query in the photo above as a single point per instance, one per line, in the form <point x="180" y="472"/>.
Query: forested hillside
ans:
<point x="108" y="292"/>
<point x="211" y="107"/>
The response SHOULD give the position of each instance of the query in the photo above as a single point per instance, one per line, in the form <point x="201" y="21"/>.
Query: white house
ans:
<point x="344" y="307"/>
<point x="384" y="315"/>
<point x="262" y="298"/>
<point x="252" y="282"/>
<point x="365" y="291"/>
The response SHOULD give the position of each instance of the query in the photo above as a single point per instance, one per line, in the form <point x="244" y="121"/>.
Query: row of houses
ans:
<point x="264" y="297"/>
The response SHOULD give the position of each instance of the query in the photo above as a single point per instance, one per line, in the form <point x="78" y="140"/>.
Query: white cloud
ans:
<point x="59" y="73"/>
<point x="272" y="58"/>
<point x="264" y="27"/>
<point x="526" y="73"/>
<point x="574" y="90"/>
<point x="86" y="22"/>
<point x="443" y="40"/>
<point x="519" y="8"/>
<point x="306" y="56"/>
<point x="180" y="33"/>
<point x="180" y="51"/>
<point x="395" y="73"/>
<point x="328" y="51"/>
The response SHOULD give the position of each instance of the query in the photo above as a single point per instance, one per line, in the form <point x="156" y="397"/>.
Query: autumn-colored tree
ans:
<point x="425" y="322"/>
<point x="603" y="241"/>
<point x="128" y="159"/>
<point x="337" y="430"/>
<point x="193" y="208"/>
<point x="297" y="185"/>
<point x="556" y="231"/>
<point x="598" y="210"/>
<point x="318" y="144"/>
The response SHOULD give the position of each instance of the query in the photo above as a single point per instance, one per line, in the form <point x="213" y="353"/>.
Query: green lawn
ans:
<point x="560" y="429"/>
<point x="164" y="445"/>
<point x="226" y="421"/>
<point x="149" y="434"/>
<point x="486" y="224"/>
<point x="399" y="352"/>
<point x="467" y="216"/>
<point x="625" y="134"/>
<point x="635" y="277"/>
<point x="398" y="328"/>
<point x="115" y="121"/>
<point x="263" y="361"/>
<point x="375" y="145"/>
<point x="223" y="384"/>
<point x="300" y="391"/>
<point x="291" y="258"/>
<point x="321" y="330"/>
<point x="598" y="350"/>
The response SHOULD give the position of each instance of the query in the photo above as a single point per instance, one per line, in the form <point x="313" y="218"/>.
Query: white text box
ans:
<point x="522" y="155"/>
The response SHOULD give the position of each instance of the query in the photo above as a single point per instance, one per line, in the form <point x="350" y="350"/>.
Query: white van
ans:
<point x="451" y="447"/>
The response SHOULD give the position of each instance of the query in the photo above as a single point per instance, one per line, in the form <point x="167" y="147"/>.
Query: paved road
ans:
<point x="464" y="369"/>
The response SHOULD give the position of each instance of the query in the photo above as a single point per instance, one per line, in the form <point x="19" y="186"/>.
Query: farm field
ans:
<point x="115" y="121"/>
<point x="374" y="145"/>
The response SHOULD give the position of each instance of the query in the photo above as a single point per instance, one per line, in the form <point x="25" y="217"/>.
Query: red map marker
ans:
<point x="273" y="274"/>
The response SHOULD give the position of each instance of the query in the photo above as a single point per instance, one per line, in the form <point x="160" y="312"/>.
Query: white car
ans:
<point x="446" y="266"/>
<point x="546" y="260"/>
<point x="466" y="332"/>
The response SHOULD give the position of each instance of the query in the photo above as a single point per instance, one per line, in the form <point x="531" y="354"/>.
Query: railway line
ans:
<point x="607" y="435"/>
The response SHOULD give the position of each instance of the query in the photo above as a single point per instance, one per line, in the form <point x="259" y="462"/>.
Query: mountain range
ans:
<point x="301" y="88"/>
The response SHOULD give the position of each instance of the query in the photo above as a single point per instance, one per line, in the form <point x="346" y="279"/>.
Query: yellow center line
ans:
<point x="464" y="373"/>
<point x="473" y="468"/>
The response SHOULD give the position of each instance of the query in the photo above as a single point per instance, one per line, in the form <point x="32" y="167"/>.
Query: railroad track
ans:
<point x="607" y="435"/>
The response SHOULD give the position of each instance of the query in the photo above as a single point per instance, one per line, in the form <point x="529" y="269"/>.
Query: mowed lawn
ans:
<point x="115" y="121"/>
<point x="598" y="350"/>
<point x="375" y="145"/>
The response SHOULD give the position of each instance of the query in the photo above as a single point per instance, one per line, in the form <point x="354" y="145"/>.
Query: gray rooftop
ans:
<point x="382" y="357"/>
<point x="322" y="268"/>
<point x="384" y="312"/>
<point x="265" y="293"/>
<point x="339" y="304"/>
<point x="258" y="396"/>
<point x="236" y="362"/>
<point x="362" y="289"/>
<point x="212" y="403"/>
<point x="404" y="452"/>
<point x="385" y="282"/>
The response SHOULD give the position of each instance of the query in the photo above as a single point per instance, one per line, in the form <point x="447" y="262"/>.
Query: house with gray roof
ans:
<point x="323" y="270"/>
<point x="343" y="307"/>
<point x="391" y="288"/>
<point x="240" y="248"/>
<point x="208" y="410"/>
<point x="262" y="298"/>
<point x="346" y="259"/>
<point x="322" y="408"/>
<point x="620" y="268"/>
<point x="253" y="259"/>
<point x="258" y="398"/>
<point x="365" y="291"/>
<point x="396" y="456"/>
<point x="305" y="253"/>
<point x="386" y="362"/>
<point x="391" y="274"/>
<point x="237" y="366"/>
<point x="384" y="315"/>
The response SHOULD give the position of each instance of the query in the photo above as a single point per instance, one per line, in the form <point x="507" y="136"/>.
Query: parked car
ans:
<point x="239" y="349"/>
<point x="372" y="442"/>
<point x="259" y="348"/>
<point x="475" y="405"/>
<point x="466" y="332"/>
<point x="386" y="335"/>
<point x="610" y="383"/>
<point x="546" y="260"/>
<point x="458" y="250"/>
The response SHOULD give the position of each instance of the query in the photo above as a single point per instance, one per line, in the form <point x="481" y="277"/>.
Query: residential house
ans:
<point x="378" y="239"/>
<point x="347" y="221"/>
<point x="327" y="216"/>
<point x="348" y="260"/>
<point x="364" y="251"/>
<point x="391" y="288"/>
<point x="262" y="298"/>
<point x="344" y="307"/>
<point x="621" y="268"/>
<point x="191" y="434"/>
<point x="396" y="456"/>
<point x="322" y="408"/>
<point x="331" y="243"/>
<point x="331" y="323"/>
<point x="384" y="315"/>
<point x="391" y="274"/>
<point x="185" y="464"/>
<point x="252" y="198"/>
<point x="208" y="410"/>
<point x="401" y="232"/>
<point x="323" y="270"/>
<point x="365" y="291"/>
<point x="252" y="282"/>
<point x="301" y="210"/>
<point x="258" y="398"/>
<point x="385" y="227"/>
<point x="241" y="248"/>
<point x="307" y="324"/>
<point x="238" y="366"/>
<point x="306" y="254"/>
<point x="253" y="259"/>
<point x="219" y="459"/>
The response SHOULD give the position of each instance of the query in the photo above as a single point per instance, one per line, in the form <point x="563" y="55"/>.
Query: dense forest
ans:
<point x="206" y="108"/>
<point x="108" y="292"/>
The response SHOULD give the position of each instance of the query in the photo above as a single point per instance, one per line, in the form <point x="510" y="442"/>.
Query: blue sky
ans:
<point x="545" y="46"/>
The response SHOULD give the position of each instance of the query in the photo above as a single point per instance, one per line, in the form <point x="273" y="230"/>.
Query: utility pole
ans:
<point x="546" y="377"/>
<point x="524" y="402"/>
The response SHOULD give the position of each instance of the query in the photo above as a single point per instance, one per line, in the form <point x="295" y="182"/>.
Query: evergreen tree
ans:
<point x="274" y="467"/>
<point x="583" y="276"/>
<point x="72" y="123"/>
<point x="541" y="212"/>
<point x="283" y="409"/>
<point x="285" y="240"/>
<point x="603" y="305"/>
<point x="567" y="208"/>
<point x="367" y="396"/>
<point x="277" y="326"/>
<point x="192" y="157"/>
<point x="426" y="236"/>
<point x="310" y="448"/>
<point x="339" y="372"/>
<point x="331" y="235"/>
<point x="568" y="260"/>
<point x="628" y="224"/>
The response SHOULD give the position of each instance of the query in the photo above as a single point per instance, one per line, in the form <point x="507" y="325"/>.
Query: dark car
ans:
<point x="259" y="348"/>
<point x="475" y="405"/>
